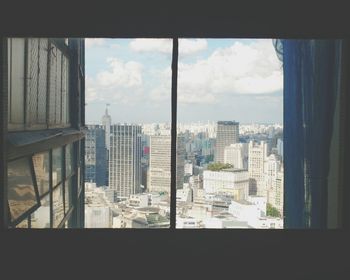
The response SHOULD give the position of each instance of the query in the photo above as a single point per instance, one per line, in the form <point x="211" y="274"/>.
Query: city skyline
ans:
<point x="218" y="79"/>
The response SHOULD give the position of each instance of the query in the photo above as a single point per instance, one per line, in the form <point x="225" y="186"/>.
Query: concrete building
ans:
<point x="160" y="159"/>
<point x="125" y="159"/>
<point x="257" y="154"/>
<point x="234" y="182"/>
<point x="237" y="155"/>
<point x="227" y="134"/>
<point x="98" y="217"/>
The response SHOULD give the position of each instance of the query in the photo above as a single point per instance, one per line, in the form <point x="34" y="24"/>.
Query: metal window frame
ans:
<point x="31" y="210"/>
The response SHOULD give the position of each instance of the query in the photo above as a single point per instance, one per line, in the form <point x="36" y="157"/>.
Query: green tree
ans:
<point x="217" y="166"/>
<point x="272" y="211"/>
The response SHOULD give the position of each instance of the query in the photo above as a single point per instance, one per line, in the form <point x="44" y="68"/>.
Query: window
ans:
<point x="22" y="191"/>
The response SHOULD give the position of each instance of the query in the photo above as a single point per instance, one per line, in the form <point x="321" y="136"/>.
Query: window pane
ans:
<point x="41" y="164"/>
<point x="65" y="90"/>
<point x="23" y="224"/>
<point x="230" y="115"/>
<point x="21" y="192"/>
<point x="68" y="194"/>
<point x="42" y="83"/>
<point x="131" y="143"/>
<point x="56" y="166"/>
<point x="41" y="217"/>
<point x="16" y="79"/>
<point x="57" y="204"/>
<point x="32" y="81"/>
<point x="69" y="159"/>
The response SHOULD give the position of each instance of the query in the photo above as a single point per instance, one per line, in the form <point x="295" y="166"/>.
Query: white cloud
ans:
<point x="239" y="69"/>
<point x="192" y="46"/>
<point x="151" y="45"/>
<point x="94" y="42"/>
<point x="122" y="81"/>
<point x="186" y="46"/>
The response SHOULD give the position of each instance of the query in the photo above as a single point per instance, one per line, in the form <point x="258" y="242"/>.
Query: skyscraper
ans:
<point x="227" y="134"/>
<point x="160" y="163"/>
<point x="237" y="155"/>
<point x="125" y="159"/>
<point x="106" y="123"/>
<point x="96" y="153"/>
<point x="257" y="154"/>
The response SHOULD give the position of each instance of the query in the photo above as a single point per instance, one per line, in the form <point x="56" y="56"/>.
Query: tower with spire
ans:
<point x="106" y="122"/>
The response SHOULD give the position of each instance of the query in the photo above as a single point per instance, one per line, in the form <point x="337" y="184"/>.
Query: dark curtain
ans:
<point x="312" y="71"/>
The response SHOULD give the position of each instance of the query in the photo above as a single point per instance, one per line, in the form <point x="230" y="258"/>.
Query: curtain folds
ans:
<point x="312" y="71"/>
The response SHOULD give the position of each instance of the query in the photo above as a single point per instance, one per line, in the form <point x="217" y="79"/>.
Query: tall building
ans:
<point x="96" y="155"/>
<point x="106" y="123"/>
<point x="160" y="163"/>
<point x="227" y="134"/>
<point x="125" y="159"/>
<point x="233" y="182"/>
<point x="257" y="154"/>
<point x="237" y="155"/>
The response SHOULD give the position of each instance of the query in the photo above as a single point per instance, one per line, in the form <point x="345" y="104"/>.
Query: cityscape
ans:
<point x="228" y="175"/>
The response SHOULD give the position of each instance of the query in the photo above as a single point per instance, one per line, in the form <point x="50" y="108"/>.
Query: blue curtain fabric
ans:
<point x="312" y="71"/>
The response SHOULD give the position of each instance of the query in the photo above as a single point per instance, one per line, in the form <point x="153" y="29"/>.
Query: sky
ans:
<point x="218" y="79"/>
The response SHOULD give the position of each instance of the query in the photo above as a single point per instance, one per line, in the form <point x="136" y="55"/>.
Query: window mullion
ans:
<point x="174" y="68"/>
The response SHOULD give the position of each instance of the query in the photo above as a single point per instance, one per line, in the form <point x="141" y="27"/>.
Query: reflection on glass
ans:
<point x="57" y="204"/>
<point x="41" y="217"/>
<point x="69" y="159"/>
<point x="56" y="166"/>
<point x="21" y="192"/>
<point x="41" y="164"/>
<point x="68" y="194"/>
<point x="23" y="224"/>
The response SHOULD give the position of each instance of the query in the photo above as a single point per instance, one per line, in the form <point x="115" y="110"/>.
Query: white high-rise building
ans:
<point x="227" y="134"/>
<point x="125" y="159"/>
<point x="275" y="194"/>
<point x="160" y="163"/>
<point x="233" y="182"/>
<point x="257" y="154"/>
<point x="237" y="155"/>
<point x="98" y="217"/>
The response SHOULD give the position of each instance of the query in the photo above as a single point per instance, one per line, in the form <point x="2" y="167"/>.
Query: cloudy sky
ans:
<point x="218" y="79"/>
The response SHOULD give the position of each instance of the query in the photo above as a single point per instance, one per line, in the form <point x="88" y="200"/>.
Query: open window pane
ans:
<point x="21" y="191"/>
<point x="41" y="217"/>
<point x="230" y="117"/>
<point x="57" y="205"/>
<point x="128" y="143"/>
<point x="56" y="166"/>
<point x="41" y="164"/>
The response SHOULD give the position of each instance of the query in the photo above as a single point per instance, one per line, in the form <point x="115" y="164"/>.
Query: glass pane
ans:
<point x="65" y="90"/>
<point x="32" y="81"/>
<point x="58" y="84"/>
<point x="57" y="204"/>
<point x="16" y="78"/>
<point x="21" y="192"/>
<point x="41" y="164"/>
<point x="42" y="84"/>
<point x="230" y="115"/>
<point x="68" y="194"/>
<point x="56" y="166"/>
<point x="127" y="174"/>
<point x="23" y="224"/>
<point x="69" y="159"/>
<point x="41" y="217"/>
